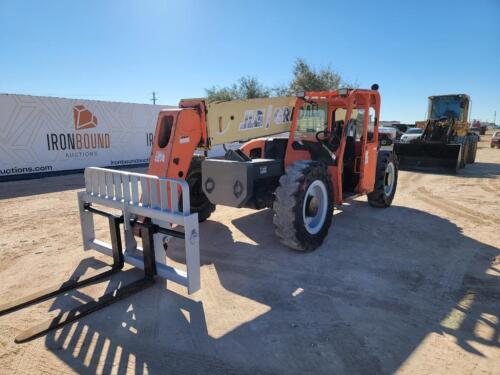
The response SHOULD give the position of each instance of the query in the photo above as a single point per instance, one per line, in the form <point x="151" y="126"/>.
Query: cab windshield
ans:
<point x="449" y="107"/>
<point x="312" y="118"/>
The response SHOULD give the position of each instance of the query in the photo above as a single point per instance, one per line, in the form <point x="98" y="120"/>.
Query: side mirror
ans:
<point x="374" y="87"/>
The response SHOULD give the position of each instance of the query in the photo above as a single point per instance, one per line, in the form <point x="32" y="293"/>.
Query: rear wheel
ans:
<point x="303" y="205"/>
<point x="386" y="180"/>
<point x="465" y="153"/>
<point x="198" y="200"/>
<point x="472" y="151"/>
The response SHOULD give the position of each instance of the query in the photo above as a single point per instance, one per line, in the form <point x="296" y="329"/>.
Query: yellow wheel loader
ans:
<point x="446" y="143"/>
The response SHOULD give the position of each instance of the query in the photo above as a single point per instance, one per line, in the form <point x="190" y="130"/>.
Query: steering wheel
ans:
<point x="325" y="136"/>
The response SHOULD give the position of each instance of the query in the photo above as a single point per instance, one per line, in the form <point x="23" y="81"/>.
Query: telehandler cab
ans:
<point x="330" y="154"/>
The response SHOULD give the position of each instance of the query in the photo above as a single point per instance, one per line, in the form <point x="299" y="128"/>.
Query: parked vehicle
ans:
<point x="475" y="128"/>
<point x="411" y="135"/>
<point x="495" y="139"/>
<point x="401" y="129"/>
<point x="386" y="137"/>
<point x="446" y="142"/>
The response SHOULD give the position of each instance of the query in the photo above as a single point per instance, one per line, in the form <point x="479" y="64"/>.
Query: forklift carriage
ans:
<point x="147" y="204"/>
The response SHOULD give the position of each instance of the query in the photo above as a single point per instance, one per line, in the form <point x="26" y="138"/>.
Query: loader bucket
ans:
<point x="430" y="157"/>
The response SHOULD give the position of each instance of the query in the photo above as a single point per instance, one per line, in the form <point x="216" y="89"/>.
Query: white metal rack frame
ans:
<point x="142" y="196"/>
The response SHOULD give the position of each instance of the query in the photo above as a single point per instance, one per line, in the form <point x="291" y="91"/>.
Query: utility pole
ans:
<point x="154" y="99"/>
<point x="495" y="118"/>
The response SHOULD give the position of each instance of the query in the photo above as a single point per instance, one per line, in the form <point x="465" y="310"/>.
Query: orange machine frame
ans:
<point x="188" y="131"/>
<point x="349" y="100"/>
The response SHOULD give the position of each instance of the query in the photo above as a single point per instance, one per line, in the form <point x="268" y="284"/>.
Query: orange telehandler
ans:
<point x="331" y="153"/>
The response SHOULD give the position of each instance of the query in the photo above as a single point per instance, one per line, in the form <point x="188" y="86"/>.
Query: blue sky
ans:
<point x="123" y="50"/>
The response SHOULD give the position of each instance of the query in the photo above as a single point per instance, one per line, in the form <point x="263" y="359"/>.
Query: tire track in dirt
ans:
<point x="453" y="208"/>
<point x="484" y="186"/>
<point x="404" y="181"/>
<point x="490" y="185"/>
<point x="411" y="181"/>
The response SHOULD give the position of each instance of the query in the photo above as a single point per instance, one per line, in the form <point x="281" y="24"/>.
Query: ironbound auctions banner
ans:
<point x="43" y="134"/>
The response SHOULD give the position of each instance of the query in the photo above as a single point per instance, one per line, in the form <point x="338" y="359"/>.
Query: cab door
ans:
<point x="369" y="153"/>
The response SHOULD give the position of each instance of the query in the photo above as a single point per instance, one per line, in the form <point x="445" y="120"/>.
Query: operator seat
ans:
<point x="349" y="177"/>
<point x="350" y="144"/>
<point x="334" y="142"/>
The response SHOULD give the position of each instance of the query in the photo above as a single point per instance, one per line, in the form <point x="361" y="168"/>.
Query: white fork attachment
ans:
<point x="148" y="197"/>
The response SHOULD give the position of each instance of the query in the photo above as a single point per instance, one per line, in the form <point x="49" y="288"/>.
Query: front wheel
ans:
<point x="303" y="205"/>
<point x="465" y="154"/>
<point x="386" y="180"/>
<point x="198" y="199"/>
<point x="472" y="152"/>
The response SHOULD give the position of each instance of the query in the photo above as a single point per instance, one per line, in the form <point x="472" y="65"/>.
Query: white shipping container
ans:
<point x="44" y="134"/>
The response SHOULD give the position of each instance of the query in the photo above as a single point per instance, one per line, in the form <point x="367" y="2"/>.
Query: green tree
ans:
<point x="246" y="88"/>
<point x="282" y="90"/>
<point x="250" y="88"/>
<point x="307" y="78"/>
<point x="216" y="94"/>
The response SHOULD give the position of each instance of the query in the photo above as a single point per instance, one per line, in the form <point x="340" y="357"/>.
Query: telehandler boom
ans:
<point x="331" y="153"/>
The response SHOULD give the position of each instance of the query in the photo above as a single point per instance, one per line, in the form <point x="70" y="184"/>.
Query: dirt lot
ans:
<point x="411" y="289"/>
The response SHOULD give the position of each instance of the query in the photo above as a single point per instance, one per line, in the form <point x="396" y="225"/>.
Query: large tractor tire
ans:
<point x="465" y="153"/>
<point x="471" y="157"/>
<point x="198" y="200"/>
<point x="386" y="180"/>
<point x="303" y="205"/>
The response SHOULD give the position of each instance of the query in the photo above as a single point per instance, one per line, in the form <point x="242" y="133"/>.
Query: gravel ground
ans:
<point x="410" y="289"/>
